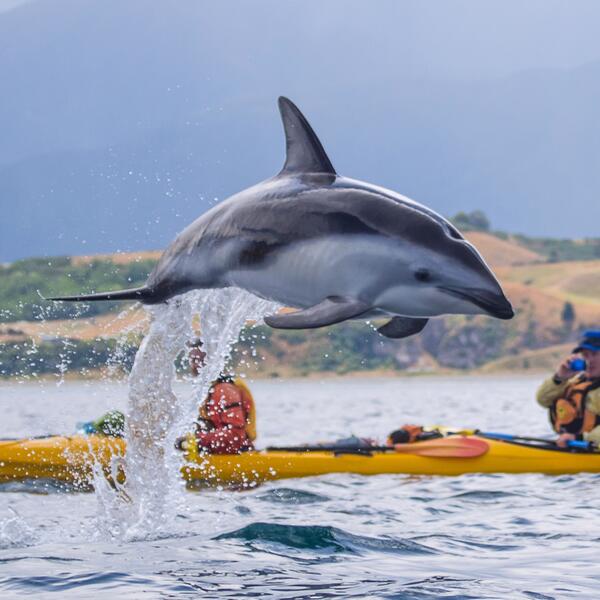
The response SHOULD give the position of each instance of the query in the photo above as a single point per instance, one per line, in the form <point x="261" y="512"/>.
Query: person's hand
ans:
<point x="563" y="438"/>
<point x="564" y="370"/>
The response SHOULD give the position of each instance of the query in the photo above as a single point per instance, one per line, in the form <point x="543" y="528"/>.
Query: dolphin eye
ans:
<point x="422" y="275"/>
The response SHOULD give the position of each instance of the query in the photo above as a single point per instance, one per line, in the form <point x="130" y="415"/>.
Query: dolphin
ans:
<point x="333" y="247"/>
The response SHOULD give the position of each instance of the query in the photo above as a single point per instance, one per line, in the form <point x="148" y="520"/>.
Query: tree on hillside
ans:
<point x="553" y="256"/>
<point x="567" y="315"/>
<point x="473" y="221"/>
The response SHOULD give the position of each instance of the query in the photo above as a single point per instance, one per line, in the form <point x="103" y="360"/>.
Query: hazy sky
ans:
<point x="461" y="104"/>
<point x="483" y="38"/>
<point x="6" y="5"/>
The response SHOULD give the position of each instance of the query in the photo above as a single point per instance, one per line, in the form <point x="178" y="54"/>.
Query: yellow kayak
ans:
<point x="71" y="459"/>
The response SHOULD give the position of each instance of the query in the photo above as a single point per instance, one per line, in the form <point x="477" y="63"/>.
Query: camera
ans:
<point x="577" y="364"/>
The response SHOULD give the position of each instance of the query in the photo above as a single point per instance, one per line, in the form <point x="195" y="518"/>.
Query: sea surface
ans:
<point x="338" y="536"/>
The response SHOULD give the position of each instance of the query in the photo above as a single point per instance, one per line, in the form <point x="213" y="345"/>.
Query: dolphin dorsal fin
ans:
<point x="304" y="152"/>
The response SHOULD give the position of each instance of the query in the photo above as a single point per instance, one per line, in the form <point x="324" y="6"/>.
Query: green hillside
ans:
<point x="557" y="250"/>
<point x="25" y="283"/>
<point x="553" y="302"/>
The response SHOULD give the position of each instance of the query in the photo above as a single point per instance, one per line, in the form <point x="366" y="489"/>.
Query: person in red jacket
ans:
<point x="227" y="418"/>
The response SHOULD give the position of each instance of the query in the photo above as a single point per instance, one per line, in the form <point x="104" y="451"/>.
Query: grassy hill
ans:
<point x="577" y="281"/>
<point x="34" y="334"/>
<point x="25" y="284"/>
<point x="499" y="252"/>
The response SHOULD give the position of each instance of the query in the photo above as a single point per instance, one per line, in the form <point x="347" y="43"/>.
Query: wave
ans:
<point x="67" y="582"/>
<point x="285" y="495"/>
<point x="322" y="537"/>
<point x="43" y="487"/>
<point x="484" y="495"/>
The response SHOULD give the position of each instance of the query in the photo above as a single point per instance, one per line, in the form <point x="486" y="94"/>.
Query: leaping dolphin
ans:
<point x="333" y="247"/>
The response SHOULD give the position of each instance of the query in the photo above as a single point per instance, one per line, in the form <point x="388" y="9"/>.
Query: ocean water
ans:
<point x="337" y="536"/>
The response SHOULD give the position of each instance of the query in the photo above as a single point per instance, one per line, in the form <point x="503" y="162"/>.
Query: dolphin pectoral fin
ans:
<point x="401" y="327"/>
<point x="304" y="152"/>
<point x="333" y="309"/>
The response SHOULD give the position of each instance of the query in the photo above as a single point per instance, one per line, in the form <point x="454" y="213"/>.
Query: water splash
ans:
<point x="128" y="333"/>
<point x="147" y="504"/>
<point x="15" y="532"/>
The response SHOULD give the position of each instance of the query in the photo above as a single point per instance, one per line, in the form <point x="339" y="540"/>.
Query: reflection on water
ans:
<point x="346" y="536"/>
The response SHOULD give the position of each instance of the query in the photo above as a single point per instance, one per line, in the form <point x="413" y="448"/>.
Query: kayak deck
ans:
<point x="72" y="459"/>
<point x="502" y="457"/>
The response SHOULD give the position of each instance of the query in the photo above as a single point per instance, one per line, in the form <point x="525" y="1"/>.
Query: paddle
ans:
<point x="452" y="447"/>
<point x="578" y="444"/>
<point x="457" y="447"/>
<point x="508" y="437"/>
<point x="32" y="437"/>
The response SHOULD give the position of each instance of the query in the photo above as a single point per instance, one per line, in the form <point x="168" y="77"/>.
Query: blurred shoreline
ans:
<point x="554" y="286"/>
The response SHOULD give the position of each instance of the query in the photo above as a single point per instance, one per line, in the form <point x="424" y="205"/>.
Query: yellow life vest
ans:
<point x="570" y="414"/>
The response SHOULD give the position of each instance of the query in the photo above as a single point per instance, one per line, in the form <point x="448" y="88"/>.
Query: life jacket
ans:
<point x="249" y="408"/>
<point x="570" y="414"/>
<point x="213" y="408"/>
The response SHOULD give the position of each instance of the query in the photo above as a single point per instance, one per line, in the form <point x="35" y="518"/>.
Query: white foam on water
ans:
<point x="15" y="532"/>
<point x="147" y="504"/>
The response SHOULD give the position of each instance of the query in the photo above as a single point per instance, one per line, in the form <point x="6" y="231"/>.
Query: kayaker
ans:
<point x="226" y="421"/>
<point x="227" y="417"/>
<point x="196" y="356"/>
<point x="407" y="434"/>
<point x="572" y="394"/>
<point x="111" y="424"/>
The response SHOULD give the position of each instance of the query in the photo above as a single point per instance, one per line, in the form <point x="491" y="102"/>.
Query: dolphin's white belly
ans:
<point x="305" y="273"/>
<point x="372" y="269"/>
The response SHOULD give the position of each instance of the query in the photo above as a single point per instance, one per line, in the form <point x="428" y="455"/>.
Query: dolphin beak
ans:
<point x="493" y="303"/>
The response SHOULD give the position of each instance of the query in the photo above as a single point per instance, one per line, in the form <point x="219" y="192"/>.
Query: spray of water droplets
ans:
<point x="147" y="503"/>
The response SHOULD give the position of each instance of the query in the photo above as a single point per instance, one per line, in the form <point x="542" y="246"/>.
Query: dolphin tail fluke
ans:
<point x="401" y="327"/>
<point x="141" y="294"/>
<point x="333" y="309"/>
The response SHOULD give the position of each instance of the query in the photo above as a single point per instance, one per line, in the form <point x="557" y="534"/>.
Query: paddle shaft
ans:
<point x="340" y="449"/>
<point x="509" y="437"/>
<point x="440" y="447"/>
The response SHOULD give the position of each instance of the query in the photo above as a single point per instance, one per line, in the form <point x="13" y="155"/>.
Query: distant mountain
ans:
<point x="121" y="122"/>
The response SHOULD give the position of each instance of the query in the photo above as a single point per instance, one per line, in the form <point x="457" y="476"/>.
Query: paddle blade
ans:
<point x="452" y="447"/>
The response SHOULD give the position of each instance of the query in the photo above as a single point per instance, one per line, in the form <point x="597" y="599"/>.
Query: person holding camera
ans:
<point x="572" y="394"/>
